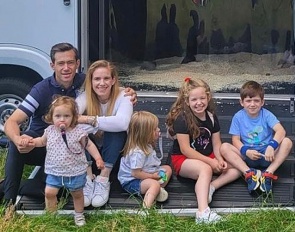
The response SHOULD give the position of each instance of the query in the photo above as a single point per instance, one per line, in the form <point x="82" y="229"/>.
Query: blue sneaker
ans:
<point x="266" y="182"/>
<point x="252" y="178"/>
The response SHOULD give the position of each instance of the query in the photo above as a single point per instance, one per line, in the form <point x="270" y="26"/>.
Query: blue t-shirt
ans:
<point x="37" y="102"/>
<point x="254" y="132"/>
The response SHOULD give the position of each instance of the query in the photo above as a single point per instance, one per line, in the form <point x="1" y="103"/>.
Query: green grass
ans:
<point x="270" y="220"/>
<point x="27" y="170"/>
<point x="261" y="220"/>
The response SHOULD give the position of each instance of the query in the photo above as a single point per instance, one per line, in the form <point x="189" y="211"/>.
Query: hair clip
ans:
<point x="187" y="79"/>
<point x="52" y="103"/>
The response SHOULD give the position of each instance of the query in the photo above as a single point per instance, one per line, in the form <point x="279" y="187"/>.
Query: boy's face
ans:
<point x="252" y="105"/>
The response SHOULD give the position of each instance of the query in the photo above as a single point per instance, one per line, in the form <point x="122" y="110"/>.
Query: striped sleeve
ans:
<point x="30" y="103"/>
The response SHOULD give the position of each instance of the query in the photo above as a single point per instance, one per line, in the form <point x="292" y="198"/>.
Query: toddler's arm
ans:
<point x="92" y="149"/>
<point x="34" y="142"/>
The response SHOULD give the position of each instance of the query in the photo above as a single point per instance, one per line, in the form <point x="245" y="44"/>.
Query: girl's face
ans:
<point x="198" y="101"/>
<point x="102" y="82"/>
<point x="62" y="115"/>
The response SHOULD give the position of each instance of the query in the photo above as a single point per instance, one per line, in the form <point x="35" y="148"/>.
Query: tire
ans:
<point x="12" y="93"/>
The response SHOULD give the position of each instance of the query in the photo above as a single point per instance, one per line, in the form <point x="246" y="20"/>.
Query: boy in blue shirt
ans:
<point x="258" y="138"/>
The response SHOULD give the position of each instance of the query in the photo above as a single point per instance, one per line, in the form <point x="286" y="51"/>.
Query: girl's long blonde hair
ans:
<point x="93" y="103"/>
<point x="181" y="106"/>
<point x="141" y="132"/>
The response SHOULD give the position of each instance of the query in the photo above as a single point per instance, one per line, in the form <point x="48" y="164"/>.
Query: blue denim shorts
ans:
<point x="73" y="183"/>
<point x="133" y="187"/>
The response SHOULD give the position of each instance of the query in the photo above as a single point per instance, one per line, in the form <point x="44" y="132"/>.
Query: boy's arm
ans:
<point x="236" y="140"/>
<point x="280" y="133"/>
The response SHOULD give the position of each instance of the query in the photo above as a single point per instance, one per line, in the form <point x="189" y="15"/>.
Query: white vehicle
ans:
<point x="28" y="31"/>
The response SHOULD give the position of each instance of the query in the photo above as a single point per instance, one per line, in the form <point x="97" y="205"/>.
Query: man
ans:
<point x="64" y="81"/>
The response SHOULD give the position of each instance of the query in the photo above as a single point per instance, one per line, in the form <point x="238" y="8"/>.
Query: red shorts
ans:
<point x="178" y="159"/>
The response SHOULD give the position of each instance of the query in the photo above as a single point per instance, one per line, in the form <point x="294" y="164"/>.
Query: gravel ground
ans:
<point x="224" y="73"/>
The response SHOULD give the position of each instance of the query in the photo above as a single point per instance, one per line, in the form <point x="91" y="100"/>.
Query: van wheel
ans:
<point x="12" y="92"/>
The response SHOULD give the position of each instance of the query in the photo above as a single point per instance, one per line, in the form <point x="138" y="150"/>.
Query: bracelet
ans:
<point x="274" y="144"/>
<point x="91" y="120"/>
<point x="244" y="150"/>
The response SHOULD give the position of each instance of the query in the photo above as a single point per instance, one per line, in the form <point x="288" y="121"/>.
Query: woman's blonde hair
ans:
<point x="141" y="132"/>
<point x="66" y="102"/>
<point x="93" y="103"/>
<point x="181" y="106"/>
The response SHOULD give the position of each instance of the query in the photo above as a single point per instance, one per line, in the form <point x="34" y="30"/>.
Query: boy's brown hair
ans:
<point x="251" y="89"/>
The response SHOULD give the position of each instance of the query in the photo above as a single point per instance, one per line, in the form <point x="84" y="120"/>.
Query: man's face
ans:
<point x="65" y="67"/>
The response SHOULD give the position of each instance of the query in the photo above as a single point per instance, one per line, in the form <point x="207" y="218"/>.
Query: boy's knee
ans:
<point x="287" y="142"/>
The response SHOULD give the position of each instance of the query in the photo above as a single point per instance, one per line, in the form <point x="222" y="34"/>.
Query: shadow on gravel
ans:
<point x="270" y="88"/>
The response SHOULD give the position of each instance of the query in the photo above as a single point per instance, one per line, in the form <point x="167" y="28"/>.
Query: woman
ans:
<point x="109" y="111"/>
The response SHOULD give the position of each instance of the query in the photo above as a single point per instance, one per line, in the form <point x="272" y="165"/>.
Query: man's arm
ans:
<point x="11" y="126"/>
<point x="12" y="131"/>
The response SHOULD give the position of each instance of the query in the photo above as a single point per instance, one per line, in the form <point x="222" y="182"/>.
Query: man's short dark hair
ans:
<point x="62" y="47"/>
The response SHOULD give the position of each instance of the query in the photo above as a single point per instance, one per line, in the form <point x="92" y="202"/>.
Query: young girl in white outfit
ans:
<point x="65" y="163"/>
<point x="140" y="168"/>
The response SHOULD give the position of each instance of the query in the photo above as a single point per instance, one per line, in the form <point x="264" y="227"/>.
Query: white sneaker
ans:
<point x="162" y="196"/>
<point x="80" y="220"/>
<point x="211" y="192"/>
<point x="88" y="191"/>
<point x="101" y="192"/>
<point x="207" y="216"/>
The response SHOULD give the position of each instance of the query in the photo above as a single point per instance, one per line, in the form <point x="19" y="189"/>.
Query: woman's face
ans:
<point x="102" y="83"/>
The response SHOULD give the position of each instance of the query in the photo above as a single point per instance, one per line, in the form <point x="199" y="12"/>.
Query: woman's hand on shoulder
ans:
<point x="132" y="93"/>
